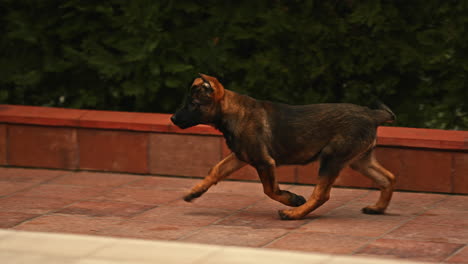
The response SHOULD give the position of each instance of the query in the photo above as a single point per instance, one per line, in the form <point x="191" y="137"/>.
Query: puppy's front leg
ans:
<point x="220" y="171"/>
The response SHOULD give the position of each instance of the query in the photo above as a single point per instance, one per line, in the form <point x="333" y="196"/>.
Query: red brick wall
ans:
<point x="422" y="159"/>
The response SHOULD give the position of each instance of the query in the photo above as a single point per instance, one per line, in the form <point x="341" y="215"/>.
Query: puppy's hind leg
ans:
<point x="384" y="179"/>
<point x="220" y="171"/>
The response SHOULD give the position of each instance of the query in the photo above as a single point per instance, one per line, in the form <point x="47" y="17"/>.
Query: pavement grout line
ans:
<point x="454" y="253"/>
<point x="35" y="185"/>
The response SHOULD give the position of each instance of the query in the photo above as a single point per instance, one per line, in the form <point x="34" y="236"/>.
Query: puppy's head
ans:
<point x="201" y="103"/>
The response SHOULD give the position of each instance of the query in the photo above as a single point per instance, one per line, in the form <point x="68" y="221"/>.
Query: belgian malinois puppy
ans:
<point x="266" y="134"/>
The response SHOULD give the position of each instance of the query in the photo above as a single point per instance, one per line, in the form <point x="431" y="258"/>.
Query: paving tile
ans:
<point x="236" y="255"/>
<point x="235" y="236"/>
<point x="96" y="179"/>
<point x="64" y="191"/>
<point x="32" y="205"/>
<point x="443" y="216"/>
<point x="261" y="220"/>
<point x="53" y="244"/>
<point x="459" y="257"/>
<point x="141" y="196"/>
<point x="185" y="216"/>
<point x="403" y="203"/>
<point x="29" y="175"/>
<point x="13" y="257"/>
<point x="36" y="146"/>
<point x="68" y="224"/>
<point x="10" y="219"/>
<point x="360" y="225"/>
<point x="219" y="200"/>
<point x="168" y="151"/>
<point x="409" y="249"/>
<point x="167" y="252"/>
<point x="454" y="202"/>
<point x="147" y="230"/>
<point x="430" y="232"/>
<point x="352" y="212"/>
<point x="105" y="209"/>
<point x="108" y="150"/>
<point x="168" y="183"/>
<point x="7" y="188"/>
<point x="320" y="242"/>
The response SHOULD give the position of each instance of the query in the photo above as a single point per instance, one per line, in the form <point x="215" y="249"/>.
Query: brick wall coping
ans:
<point x="155" y="122"/>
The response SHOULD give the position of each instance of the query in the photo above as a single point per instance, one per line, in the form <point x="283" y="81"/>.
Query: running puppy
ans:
<point x="266" y="134"/>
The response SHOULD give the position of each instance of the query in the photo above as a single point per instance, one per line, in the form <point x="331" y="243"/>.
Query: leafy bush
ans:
<point x="141" y="55"/>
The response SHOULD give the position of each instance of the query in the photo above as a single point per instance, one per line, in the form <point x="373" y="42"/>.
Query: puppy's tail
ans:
<point x="383" y="114"/>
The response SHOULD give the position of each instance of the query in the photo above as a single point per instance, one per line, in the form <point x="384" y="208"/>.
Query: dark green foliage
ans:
<point x="141" y="55"/>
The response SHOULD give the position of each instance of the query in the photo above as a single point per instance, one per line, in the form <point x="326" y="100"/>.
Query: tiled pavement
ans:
<point x="418" y="226"/>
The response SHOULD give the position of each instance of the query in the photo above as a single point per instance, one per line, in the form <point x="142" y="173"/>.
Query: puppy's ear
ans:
<point x="204" y="77"/>
<point x="215" y="84"/>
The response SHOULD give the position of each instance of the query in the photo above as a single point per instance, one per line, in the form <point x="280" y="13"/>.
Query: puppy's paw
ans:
<point x="296" y="200"/>
<point x="372" y="210"/>
<point x="285" y="215"/>
<point x="189" y="197"/>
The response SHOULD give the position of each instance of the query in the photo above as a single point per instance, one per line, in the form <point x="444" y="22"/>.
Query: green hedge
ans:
<point x="141" y="55"/>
